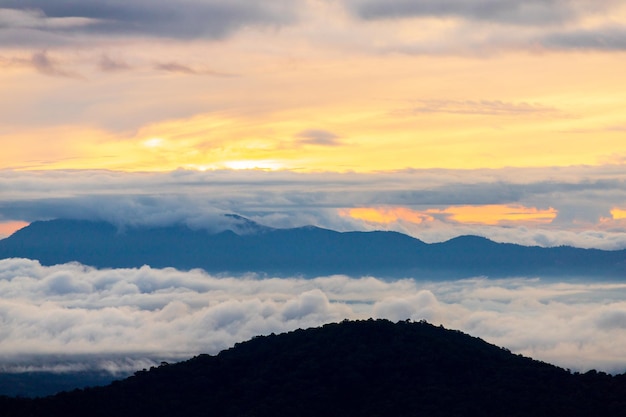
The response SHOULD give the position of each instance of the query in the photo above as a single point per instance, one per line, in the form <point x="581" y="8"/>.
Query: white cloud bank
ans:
<point x="71" y="317"/>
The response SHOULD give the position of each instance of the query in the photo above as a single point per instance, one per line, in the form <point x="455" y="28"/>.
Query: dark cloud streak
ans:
<point x="108" y="64"/>
<point x="182" y="19"/>
<point x="175" y="67"/>
<point x="41" y="62"/>
<point x="318" y="137"/>
<point x="604" y="39"/>
<point x="531" y="12"/>
<point x="527" y="25"/>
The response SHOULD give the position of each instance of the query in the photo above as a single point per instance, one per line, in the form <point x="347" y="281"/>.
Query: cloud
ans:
<point x="108" y="64"/>
<point x="318" y="137"/>
<point x="423" y="304"/>
<point x="528" y="25"/>
<point x="47" y="66"/>
<point x="476" y="214"/>
<point x="532" y="12"/>
<point x="488" y="27"/>
<point x="481" y="107"/>
<point x="26" y="15"/>
<point x="608" y="38"/>
<point x="176" y="67"/>
<point x="181" y="19"/>
<point x="22" y="25"/>
<point x="69" y="317"/>
<point x="581" y="197"/>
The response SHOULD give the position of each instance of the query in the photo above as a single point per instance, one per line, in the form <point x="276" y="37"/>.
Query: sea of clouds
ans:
<point x="72" y="317"/>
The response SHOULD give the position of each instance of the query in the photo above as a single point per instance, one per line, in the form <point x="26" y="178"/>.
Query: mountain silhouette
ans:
<point x="305" y="251"/>
<point x="361" y="368"/>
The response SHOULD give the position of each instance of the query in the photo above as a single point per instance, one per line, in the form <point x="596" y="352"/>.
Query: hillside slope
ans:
<point x="363" y="368"/>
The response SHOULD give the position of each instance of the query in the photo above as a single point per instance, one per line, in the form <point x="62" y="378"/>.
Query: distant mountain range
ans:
<point x="306" y="251"/>
<point x="363" y="368"/>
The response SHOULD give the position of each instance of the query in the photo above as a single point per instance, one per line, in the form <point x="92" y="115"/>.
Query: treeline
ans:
<point x="364" y="368"/>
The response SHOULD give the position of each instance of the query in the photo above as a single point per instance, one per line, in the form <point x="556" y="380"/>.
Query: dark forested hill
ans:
<point x="364" y="368"/>
<point x="307" y="251"/>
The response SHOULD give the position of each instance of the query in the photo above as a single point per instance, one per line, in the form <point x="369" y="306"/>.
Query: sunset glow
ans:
<point x="487" y="215"/>
<point x="335" y="92"/>
<point x="386" y="215"/>
<point x="459" y="117"/>
<point x="499" y="214"/>
<point x="8" y="228"/>
<point x="313" y="130"/>
<point x="618" y="214"/>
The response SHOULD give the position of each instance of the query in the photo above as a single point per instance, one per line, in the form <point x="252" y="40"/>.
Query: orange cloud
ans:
<point x="499" y="213"/>
<point x="486" y="214"/>
<point x="8" y="228"/>
<point x="618" y="213"/>
<point x="386" y="215"/>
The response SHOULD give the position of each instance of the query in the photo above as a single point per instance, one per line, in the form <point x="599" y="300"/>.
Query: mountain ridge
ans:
<point x="305" y="251"/>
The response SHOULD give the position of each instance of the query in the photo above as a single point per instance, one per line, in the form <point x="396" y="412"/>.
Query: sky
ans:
<point x="435" y="118"/>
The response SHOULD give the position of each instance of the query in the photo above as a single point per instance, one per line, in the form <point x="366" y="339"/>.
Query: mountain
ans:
<point x="362" y="368"/>
<point x="306" y="251"/>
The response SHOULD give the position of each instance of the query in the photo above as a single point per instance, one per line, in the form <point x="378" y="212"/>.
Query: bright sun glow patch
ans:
<point x="486" y="214"/>
<point x="268" y="165"/>
<point x="618" y="213"/>
<point x="153" y="143"/>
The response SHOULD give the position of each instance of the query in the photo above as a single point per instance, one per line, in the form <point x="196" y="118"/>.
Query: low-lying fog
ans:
<point x="72" y="317"/>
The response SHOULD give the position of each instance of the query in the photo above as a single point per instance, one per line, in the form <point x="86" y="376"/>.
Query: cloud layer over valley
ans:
<point x="71" y="317"/>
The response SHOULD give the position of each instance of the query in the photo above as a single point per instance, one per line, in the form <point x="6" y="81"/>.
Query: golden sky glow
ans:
<point x="387" y="214"/>
<point x="386" y="103"/>
<point x="618" y="214"/>
<point x="487" y="215"/>
<point x="448" y="120"/>
<point x="499" y="214"/>
<point x="7" y="228"/>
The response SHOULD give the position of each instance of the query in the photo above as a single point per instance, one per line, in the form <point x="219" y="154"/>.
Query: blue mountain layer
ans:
<point x="306" y="251"/>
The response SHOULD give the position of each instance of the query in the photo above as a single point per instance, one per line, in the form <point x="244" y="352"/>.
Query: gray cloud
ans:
<point x="547" y="24"/>
<point x="176" y="67"/>
<point x="70" y="317"/>
<point x="532" y="12"/>
<point x="512" y="25"/>
<point x="318" y="137"/>
<point x="181" y="19"/>
<point x="612" y="38"/>
<point x="41" y="62"/>
<point x="581" y="195"/>
<point x="108" y="64"/>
